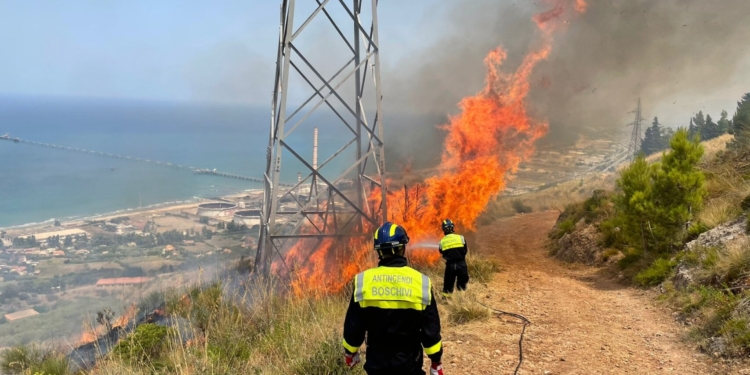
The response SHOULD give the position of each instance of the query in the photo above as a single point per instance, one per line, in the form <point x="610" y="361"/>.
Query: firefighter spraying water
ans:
<point x="394" y="306"/>
<point x="453" y="248"/>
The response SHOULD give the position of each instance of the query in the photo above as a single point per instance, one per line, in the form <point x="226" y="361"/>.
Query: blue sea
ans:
<point x="38" y="184"/>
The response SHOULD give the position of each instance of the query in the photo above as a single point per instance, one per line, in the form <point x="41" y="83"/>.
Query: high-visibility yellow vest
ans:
<point x="452" y="241"/>
<point x="392" y="288"/>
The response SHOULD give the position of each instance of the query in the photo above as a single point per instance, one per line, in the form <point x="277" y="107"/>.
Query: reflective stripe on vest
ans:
<point x="452" y="241"/>
<point x="392" y="288"/>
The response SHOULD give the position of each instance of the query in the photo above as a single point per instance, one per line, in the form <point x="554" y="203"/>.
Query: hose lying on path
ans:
<point x="526" y="322"/>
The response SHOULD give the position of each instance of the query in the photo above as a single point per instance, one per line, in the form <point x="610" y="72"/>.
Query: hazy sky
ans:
<point x="431" y="51"/>
<point x="166" y="49"/>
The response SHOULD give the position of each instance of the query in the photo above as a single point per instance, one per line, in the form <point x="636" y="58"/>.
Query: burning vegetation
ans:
<point x="485" y="142"/>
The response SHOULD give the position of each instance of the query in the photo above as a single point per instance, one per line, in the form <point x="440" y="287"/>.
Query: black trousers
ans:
<point x="455" y="273"/>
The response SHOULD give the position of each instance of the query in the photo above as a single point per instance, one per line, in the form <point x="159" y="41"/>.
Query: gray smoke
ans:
<point x="663" y="51"/>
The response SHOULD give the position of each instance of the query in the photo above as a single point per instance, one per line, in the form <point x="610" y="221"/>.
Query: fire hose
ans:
<point x="526" y="322"/>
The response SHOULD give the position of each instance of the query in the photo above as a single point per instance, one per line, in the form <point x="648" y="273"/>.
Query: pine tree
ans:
<point x="652" y="142"/>
<point x="724" y="123"/>
<point x="741" y="122"/>
<point x="633" y="202"/>
<point x="710" y="129"/>
<point x="656" y="201"/>
<point x="678" y="186"/>
<point x="700" y="124"/>
<point x="692" y="129"/>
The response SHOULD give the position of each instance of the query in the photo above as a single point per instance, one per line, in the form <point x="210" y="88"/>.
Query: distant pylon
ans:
<point x="636" y="137"/>
<point x="336" y="74"/>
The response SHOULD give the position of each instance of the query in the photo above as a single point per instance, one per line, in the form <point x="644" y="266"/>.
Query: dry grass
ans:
<point x="713" y="146"/>
<point x="725" y="186"/>
<point x="227" y="330"/>
<point x="482" y="269"/>
<point x="718" y="211"/>
<point x="734" y="262"/>
<point x="246" y="332"/>
<point x="723" y="181"/>
<point x="462" y="307"/>
<point x="710" y="148"/>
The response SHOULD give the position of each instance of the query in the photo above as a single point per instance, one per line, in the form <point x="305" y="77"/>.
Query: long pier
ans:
<point x="213" y="172"/>
<point x="96" y="153"/>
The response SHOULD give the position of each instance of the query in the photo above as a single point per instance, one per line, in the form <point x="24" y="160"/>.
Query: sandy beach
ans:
<point x="27" y="229"/>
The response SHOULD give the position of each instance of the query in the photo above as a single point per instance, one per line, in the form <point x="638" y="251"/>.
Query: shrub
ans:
<point x="611" y="234"/>
<point x="594" y="205"/>
<point x="53" y="364"/>
<point x="18" y="359"/>
<point x="146" y="345"/>
<point x="737" y="333"/>
<point x="32" y="360"/>
<point x="659" y="271"/>
<point x="520" y="207"/>
<point x="564" y="227"/>
<point x="717" y="305"/>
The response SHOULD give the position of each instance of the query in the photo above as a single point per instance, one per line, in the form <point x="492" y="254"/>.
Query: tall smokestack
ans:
<point x="315" y="149"/>
<point x="299" y="179"/>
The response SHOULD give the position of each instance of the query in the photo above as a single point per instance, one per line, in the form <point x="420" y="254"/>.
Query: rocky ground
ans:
<point x="583" y="321"/>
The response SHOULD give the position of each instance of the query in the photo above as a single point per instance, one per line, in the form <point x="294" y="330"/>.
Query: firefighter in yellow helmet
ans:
<point x="453" y="248"/>
<point x="393" y="304"/>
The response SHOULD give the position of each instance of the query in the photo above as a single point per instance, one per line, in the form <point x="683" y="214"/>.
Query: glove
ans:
<point x="436" y="368"/>
<point x="352" y="358"/>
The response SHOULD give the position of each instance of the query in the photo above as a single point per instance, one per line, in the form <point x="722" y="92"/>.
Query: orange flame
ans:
<point x="487" y="140"/>
<point x="87" y="337"/>
<point x="126" y="317"/>
<point x="92" y="334"/>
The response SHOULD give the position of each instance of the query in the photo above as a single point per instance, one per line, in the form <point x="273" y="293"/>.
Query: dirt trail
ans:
<point x="583" y="323"/>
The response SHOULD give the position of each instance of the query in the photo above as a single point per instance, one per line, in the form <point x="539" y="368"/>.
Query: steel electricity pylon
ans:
<point x="336" y="203"/>
<point x="636" y="137"/>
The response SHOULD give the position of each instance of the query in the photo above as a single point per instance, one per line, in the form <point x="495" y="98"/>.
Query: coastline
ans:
<point x="76" y="222"/>
<point x="71" y="222"/>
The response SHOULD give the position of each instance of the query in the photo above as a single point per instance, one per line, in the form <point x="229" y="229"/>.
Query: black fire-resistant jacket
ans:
<point x="456" y="254"/>
<point x="395" y="337"/>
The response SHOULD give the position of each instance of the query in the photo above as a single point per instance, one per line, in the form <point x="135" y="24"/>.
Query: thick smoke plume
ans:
<point x="662" y="51"/>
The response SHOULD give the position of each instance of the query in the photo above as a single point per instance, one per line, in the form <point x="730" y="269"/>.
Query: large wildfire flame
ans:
<point x="490" y="136"/>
